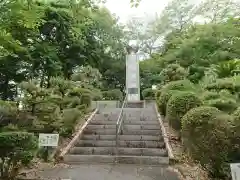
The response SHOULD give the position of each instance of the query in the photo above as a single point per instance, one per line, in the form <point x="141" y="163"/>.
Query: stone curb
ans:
<point x="77" y="136"/>
<point x="165" y="136"/>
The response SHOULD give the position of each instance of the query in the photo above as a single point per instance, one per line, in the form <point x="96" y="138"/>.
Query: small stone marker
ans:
<point x="235" y="171"/>
<point x="48" y="140"/>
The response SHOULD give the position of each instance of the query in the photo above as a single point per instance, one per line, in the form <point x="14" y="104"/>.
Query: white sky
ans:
<point x="122" y="8"/>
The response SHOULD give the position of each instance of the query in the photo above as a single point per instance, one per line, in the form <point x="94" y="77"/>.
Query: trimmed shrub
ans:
<point x="178" y="105"/>
<point x="114" y="94"/>
<point x="163" y="100"/>
<point x="148" y="94"/>
<point x="205" y="136"/>
<point x="235" y="155"/>
<point x="224" y="104"/>
<point x="169" y="89"/>
<point x="209" y="95"/>
<point x="17" y="149"/>
<point x="173" y="72"/>
<point x="231" y="84"/>
<point x="181" y="85"/>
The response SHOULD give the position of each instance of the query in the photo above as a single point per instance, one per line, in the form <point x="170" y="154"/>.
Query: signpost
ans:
<point x="235" y="171"/>
<point x="46" y="141"/>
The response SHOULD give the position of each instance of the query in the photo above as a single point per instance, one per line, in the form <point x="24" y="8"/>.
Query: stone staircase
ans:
<point x="140" y="140"/>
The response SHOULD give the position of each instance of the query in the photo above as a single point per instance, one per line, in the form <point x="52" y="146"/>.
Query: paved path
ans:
<point x="109" y="172"/>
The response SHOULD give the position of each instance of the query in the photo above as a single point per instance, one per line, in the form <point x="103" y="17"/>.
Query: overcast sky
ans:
<point x="122" y="8"/>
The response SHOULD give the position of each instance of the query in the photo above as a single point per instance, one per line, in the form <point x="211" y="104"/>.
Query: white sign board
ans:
<point x="235" y="171"/>
<point x="48" y="140"/>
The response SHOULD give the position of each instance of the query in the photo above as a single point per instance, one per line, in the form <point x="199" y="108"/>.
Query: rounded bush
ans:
<point x="178" y="105"/>
<point x="231" y="84"/>
<point x="235" y="155"/>
<point x="181" y="85"/>
<point x="163" y="100"/>
<point x="169" y="89"/>
<point x="227" y="105"/>
<point x="173" y="72"/>
<point x="205" y="136"/>
<point x="208" y="95"/>
<point x="148" y="94"/>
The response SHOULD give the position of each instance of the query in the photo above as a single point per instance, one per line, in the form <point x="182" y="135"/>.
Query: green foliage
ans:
<point x="69" y="119"/>
<point x="180" y="85"/>
<point x="224" y="104"/>
<point x="169" y="89"/>
<point x="235" y="154"/>
<point x="16" y="149"/>
<point x="114" y="94"/>
<point x="8" y="111"/>
<point x="209" y="95"/>
<point x="231" y="84"/>
<point x="227" y="69"/>
<point x="148" y="94"/>
<point x="173" y="72"/>
<point x="206" y="133"/>
<point x="178" y="105"/>
<point x="157" y="94"/>
<point x="163" y="100"/>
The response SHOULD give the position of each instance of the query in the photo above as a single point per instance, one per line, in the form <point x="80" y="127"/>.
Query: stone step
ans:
<point x="141" y="122"/>
<point x="141" y="118"/>
<point x="124" y="132"/>
<point x="107" y="126"/>
<point x="146" y="160"/>
<point x="125" y="127"/>
<point x="131" y="144"/>
<point x="121" y="151"/>
<point x="123" y="137"/>
<point x="102" y="122"/>
<point x="106" y="117"/>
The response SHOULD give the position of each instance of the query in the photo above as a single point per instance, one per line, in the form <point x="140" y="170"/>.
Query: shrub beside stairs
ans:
<point x="140" y="140"/>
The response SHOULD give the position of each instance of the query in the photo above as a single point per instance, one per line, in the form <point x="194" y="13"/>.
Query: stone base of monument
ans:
<point x="135" y="104"/>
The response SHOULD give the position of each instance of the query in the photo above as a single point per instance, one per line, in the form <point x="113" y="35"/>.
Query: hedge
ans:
<point x="206" y="133"/>
<point x="178" y="105"/>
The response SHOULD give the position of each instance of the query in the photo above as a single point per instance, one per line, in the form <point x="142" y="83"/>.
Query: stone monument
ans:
<point x="132" y="74"/>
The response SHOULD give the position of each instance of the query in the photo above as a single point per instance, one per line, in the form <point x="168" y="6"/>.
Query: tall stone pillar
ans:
<point x="132" y="75"/>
